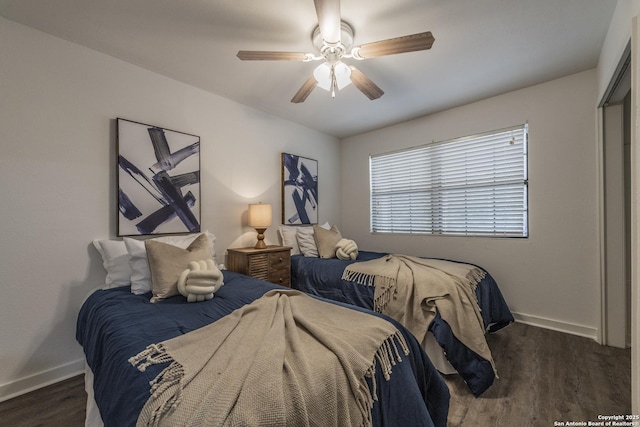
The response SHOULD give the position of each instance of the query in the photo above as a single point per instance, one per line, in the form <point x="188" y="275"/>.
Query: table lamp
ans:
<point x="260" y="219"/>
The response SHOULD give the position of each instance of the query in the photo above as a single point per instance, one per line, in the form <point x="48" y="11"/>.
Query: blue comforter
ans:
<point x="115" y="324"/>
<point x="323" y="277"/>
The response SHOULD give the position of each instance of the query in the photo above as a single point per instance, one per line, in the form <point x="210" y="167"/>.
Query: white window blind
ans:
<point x="474" y="186"/>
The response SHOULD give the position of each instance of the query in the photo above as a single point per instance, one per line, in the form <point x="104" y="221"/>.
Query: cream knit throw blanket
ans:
<point x="284" y="360"/>
<point x="411" y="290"/>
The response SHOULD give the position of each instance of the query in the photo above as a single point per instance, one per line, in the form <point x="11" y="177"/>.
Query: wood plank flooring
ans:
<point x="545" y="376"/>
<point x="59" y="405"/>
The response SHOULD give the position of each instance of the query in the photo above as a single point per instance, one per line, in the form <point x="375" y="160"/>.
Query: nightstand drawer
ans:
<point x="280" y="277"/>
<point x="279" y="260"/>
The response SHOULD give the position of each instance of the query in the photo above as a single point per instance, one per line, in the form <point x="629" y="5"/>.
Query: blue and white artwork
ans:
<point x="299" y="190"/>
<point x="158" y="180"/>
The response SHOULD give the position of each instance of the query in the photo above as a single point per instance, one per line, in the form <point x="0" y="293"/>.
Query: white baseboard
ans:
<point x="555" y="325"/>
<point x="41" y="379"/>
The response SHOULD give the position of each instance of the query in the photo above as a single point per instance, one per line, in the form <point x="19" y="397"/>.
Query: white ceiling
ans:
<point x="482" y="48"/>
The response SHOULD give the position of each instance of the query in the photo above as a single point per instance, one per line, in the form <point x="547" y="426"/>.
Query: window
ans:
<point x="471" y="186"/>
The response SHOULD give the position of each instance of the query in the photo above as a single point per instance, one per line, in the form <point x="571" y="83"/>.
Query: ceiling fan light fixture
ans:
<point x="322" y="74"/>
<point x="342" y="74"/>
<point x="331" y="77"/>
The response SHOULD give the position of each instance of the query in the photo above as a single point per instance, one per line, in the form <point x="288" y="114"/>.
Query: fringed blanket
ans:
<point x="411" y="289"/>
<point x="284" y="360"/>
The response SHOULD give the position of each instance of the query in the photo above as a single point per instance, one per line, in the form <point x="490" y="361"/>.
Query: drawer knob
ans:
<point x="280" y="259"/>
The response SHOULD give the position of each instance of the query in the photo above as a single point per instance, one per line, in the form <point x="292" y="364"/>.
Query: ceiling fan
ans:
<point x="333" y="39"/>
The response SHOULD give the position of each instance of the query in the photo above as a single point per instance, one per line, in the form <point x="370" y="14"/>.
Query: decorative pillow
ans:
<point x="346" y="249"/>
<point x="140" y="276"/>
<point x="288" y="236"/>
<point x="115" y="260"/>
<point x="326" y="240"/>
<point x="305" y="240"/>
<point x="167" y="262"/>
<point x="200" y="280"/>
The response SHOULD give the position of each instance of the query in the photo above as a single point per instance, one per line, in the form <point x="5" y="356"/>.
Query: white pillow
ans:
<point x="115" y="260"/>
<point x="140" y="274"/>
<point x="288" y="236"/>
<point x="306" y="240"/>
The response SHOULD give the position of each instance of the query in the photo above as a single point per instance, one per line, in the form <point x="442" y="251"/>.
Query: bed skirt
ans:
<point x="436" y="354"/>
<point x="92" y="418"/>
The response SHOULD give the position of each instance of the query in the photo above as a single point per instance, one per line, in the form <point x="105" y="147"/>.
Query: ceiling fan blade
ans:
<point x="411" y="43"/>
<point x="328" y="12"/>
<point x="305" y="90"/>
<point x="365" y="84"/>
<point x="258" y="55"/>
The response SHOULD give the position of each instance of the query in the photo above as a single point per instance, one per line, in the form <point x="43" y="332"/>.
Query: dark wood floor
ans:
<point x="545" y="376"/>
<point x="58" y="405"/>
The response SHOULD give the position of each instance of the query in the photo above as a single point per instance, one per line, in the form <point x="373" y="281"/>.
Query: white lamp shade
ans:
<point x="343" y="75"/>
<point x="322" y="74"/>
<point x="260" y="215"/>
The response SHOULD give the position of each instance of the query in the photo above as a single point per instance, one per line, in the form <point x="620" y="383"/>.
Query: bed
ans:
<point x="115" y="324"/>
<point x="324" y="277"/>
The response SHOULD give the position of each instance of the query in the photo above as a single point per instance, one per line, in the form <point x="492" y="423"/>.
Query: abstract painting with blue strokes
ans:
<point x="158" y="180"/>
<point x="299" y="190"/>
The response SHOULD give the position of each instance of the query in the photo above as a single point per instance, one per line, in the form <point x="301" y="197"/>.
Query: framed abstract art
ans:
<point x="158" y="180"/>
<point x="299" y="190"/>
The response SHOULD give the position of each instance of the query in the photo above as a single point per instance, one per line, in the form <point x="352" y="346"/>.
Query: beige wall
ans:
<point x="551" y="278"/>
<point x="57" y="182"/>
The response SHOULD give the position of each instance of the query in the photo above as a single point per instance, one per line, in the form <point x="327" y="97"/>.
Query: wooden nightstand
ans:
<point x="272" y="264"/>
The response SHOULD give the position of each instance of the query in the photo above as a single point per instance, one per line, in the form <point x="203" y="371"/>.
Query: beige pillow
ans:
<point x="326" y="240"/>
<point x="167" y="262"/>
<point x="140" y="275"/>
<point x="306" y="242"/>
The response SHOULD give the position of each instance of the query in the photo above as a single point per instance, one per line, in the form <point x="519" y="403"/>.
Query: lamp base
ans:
<point x="260" y="244"/>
